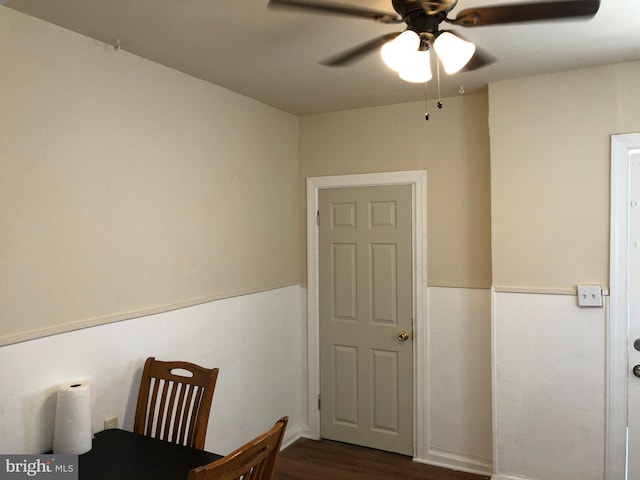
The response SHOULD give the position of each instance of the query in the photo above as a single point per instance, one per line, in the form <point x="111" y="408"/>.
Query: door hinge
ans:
<point x="318" y="402"/>
<point x="318" y="218"/>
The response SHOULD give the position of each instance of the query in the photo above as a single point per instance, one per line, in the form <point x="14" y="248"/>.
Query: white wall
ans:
<point x="549" y="389"/>
<point x="254" y="340"/>
<point x="459" y="424"/>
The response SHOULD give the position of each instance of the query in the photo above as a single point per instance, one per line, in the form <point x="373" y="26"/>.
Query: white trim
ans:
<point x="569" y="291"/>
<point x="494" y="388"/>
<point x="133" y="314"/>
<point x="459" y="462"/>
<point x="290" y="437"/>
<point x="418" y="180"/>
<point x="617" y="324"/>
<point x="497" y="476"/>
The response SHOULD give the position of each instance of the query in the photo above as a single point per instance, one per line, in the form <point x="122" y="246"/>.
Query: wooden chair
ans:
<point x="255" y="460"/>
<point x="174" y="402"/>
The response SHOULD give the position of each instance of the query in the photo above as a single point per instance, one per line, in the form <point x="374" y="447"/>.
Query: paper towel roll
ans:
<point x="73" y="432"/>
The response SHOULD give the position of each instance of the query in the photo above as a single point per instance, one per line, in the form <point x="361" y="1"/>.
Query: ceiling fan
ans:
<point x="408" y="51"/>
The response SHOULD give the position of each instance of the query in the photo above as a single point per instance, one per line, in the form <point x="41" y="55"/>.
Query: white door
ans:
<point x="365" y="303"/>
<point x="633" y="403"/>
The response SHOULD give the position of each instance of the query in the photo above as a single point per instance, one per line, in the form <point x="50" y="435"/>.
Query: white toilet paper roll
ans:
<point x="73" y="432"/>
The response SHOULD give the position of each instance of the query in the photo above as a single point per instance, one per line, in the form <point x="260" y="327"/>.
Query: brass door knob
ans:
<point x="403" y="336"/>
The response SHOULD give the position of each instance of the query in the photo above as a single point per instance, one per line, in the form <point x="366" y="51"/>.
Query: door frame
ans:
<point x="617" y="344"/>
<point x="418" y="181"/>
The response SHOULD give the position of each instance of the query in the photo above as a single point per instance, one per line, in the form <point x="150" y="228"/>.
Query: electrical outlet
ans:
<point x="111" y="422"/>
<point x="589" y="296"/>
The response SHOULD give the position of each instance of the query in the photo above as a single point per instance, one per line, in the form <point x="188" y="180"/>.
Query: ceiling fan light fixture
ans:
<point x="397" y="53"/>
<point x="453" y="51"/>
<point x="418" y="70"/>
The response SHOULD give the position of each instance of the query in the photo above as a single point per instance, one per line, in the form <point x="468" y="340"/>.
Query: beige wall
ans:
<point x="453" y="146"/>
<point x="550" y="163"/>
<point x="127" y="187"/>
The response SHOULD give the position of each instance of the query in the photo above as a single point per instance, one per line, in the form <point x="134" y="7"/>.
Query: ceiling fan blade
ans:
<point x="350" y="56"/>
<point x="333" y="8"/>
<point x="526" y="12"/>
<point x="480" y="59"/>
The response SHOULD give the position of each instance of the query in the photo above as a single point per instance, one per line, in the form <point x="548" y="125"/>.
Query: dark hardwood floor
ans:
<point x="328" y="460"/>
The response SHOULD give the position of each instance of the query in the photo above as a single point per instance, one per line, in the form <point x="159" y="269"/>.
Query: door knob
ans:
<point x="636" y="370"/>
<point x="404" y="336"/>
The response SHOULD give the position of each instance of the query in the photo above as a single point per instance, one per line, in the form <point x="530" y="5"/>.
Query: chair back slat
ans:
<point x="174" y="401"/>
<point x="178" y="416"/>
<point x="183" y="412"/>
<point x="255" y="460"/>
<point x="189" y="410"/>
<point x="163" y="417"/>
<point x="153" y="408"/>
<point x="170" y="416"/>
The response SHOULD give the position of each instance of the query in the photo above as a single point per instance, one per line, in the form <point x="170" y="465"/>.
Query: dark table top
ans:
<point x="121" y="455"/>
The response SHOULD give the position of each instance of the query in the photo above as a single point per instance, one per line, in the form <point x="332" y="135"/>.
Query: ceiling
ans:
<point x="273" y="55"/>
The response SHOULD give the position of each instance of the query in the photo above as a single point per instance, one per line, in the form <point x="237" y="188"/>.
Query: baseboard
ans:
<point x="305" y="432"/>
<point x="290" y="436"/>
<point x="498" y="476"/>
<point x="456" y="461"/>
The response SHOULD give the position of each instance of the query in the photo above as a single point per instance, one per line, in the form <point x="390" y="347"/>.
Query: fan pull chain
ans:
<point x="426" y="101"/>
<point x="439" y="104"/>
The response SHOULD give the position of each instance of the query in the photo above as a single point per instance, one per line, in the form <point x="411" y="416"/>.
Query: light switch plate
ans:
<point x="589" y="296"/>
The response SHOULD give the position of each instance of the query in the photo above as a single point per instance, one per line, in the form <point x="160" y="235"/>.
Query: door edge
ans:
<point x="617" y="322"/>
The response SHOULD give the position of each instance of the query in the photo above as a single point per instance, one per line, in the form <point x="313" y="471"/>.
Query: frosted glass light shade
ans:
<point x="418" y="69"/>
<point x="453" y="52"/>
<point x="398" y="51"/>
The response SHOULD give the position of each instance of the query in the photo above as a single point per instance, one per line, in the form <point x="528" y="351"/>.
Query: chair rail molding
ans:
<point x="507" y="477"/>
